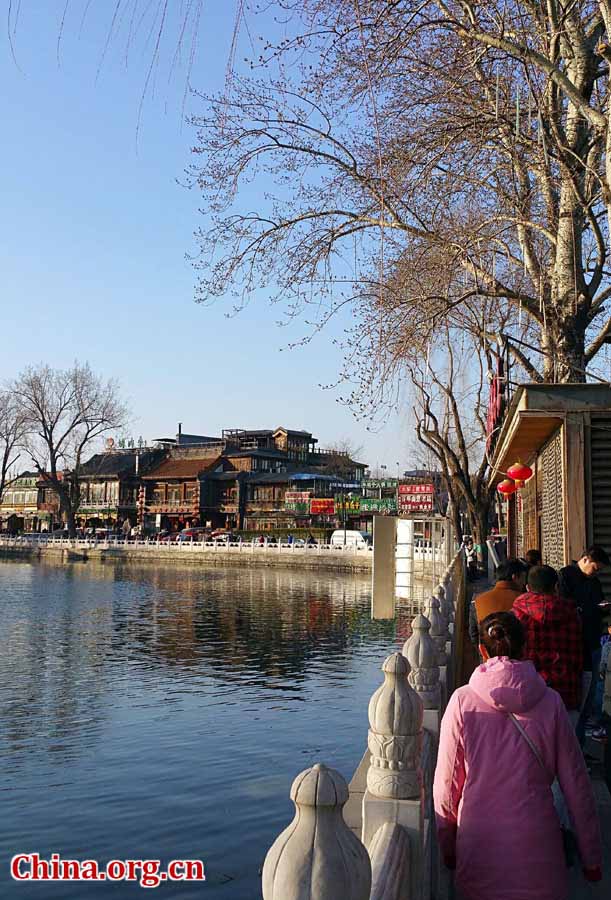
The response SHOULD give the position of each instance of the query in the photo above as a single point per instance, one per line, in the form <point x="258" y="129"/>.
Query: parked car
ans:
<point x="356" y="539"/>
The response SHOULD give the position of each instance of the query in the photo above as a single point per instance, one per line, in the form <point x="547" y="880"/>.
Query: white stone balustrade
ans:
<point x="317" y="857"/>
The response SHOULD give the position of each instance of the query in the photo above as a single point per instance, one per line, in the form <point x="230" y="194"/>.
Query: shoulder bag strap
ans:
<point x="531" y="744"/>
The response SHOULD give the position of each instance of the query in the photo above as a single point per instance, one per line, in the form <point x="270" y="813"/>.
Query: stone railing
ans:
<point x="376" y="839"/>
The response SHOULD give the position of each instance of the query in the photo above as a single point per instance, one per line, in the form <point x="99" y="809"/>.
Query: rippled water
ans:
<point x="156" y="712"/>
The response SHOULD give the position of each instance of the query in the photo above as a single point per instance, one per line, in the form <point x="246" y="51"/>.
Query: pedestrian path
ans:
<point x="579" y="889"/>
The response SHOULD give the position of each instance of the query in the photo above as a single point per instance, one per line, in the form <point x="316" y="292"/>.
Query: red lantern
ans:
<point x="519" y="472"/>
<point x="507" y="487"/>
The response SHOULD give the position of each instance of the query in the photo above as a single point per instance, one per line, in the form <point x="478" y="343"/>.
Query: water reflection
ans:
<point x="163" y="711"/>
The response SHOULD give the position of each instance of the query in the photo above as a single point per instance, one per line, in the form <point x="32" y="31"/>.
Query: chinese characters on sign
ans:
<point x="383" y="505"/>
<point x="322" y="506"/>
<point x="350" y="504"/>
<point x="416" y="498"/>
<point x="298" y="502"/>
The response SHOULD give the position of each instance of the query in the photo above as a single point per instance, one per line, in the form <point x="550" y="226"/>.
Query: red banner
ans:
<point x="322" y="506"/>
<point x="416" y="489"/>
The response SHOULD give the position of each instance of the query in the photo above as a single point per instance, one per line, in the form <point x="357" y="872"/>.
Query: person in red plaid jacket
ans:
<point x="553" y="635"/>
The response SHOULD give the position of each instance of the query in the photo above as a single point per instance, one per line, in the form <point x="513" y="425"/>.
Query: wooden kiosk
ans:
<point x="563" y="432"/>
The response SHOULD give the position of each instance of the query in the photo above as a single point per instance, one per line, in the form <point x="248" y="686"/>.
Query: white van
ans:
<point x="357" y="539"/>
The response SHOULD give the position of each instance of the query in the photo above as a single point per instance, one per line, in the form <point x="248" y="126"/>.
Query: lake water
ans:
<point x="156" y="712"/>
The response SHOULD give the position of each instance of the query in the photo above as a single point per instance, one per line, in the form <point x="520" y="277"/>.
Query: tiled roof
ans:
<point x="119" y="463"/>
<point x="182" y="468"/>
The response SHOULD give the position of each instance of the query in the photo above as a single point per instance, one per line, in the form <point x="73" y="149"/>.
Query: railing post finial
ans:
<point x="317" y="857"/>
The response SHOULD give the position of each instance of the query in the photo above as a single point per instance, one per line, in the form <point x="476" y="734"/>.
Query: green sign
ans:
<point x="302" y="509"/>
<point x="374" y="504"/>
<point x="377" y="483"/>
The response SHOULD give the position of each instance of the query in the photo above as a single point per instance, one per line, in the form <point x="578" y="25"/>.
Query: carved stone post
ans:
<point x="394" y="780"/>
<point x="317" y="857"/>
<point x="440" y="637"/>
<point x="438" y="628"/>
<point x="395" y="734"/>
<point x="421" y="654"/>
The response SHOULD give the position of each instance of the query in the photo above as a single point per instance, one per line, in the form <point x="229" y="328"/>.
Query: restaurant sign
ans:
<point x="322" y="506"/>
<point x="378" y="483"/>
<point x="298" y="502"/>
<point x="383" y="505"/>
<point x="416" y="498"/>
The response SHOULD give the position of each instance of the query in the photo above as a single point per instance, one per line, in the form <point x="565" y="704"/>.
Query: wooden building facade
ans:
<point x="563" y="432"/>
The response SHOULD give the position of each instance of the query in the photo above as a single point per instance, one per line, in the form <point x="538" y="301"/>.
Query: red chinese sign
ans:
<point x="416" y="498"/>
<point x="322" y="506"/>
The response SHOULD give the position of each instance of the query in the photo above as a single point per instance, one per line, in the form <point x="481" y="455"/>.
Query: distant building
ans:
<point x="110" y="486"/>
<point x="19" y="508"/>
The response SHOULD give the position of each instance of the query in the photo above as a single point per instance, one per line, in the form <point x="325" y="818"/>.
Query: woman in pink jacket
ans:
<point x="504" y="738"/>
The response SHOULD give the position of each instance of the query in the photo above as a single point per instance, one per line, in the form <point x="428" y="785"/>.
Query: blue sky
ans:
<point x="94" y="233"/>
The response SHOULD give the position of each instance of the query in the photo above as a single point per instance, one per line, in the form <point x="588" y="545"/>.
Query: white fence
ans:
<point x="32" y="542"/>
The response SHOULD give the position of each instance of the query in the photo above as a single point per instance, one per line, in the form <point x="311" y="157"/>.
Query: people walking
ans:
<point x="579" y="582"/>
<point x="553" y="634"/>
<point x="606" y="721"/>
<point x="510" y="582"/>
<point x="504" y="738"/>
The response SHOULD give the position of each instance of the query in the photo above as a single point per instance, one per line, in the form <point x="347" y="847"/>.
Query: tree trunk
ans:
<point x="70" y="521"/>
<point x="479" y="527"/>
<point x="564" y="344"/>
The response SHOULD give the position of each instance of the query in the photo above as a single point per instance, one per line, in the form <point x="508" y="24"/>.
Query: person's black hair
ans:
<point x="542" y="579"/>
<point x="598" y="555"/>
<point x="533" y="558"/>
<point x="502" y="634"/>
<point x="505" y="571"/>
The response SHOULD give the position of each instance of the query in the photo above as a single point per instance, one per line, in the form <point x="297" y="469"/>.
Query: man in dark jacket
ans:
<point x="510" y="581"/>
<point x="553" y="636"/>
<point x="579" y="582"/>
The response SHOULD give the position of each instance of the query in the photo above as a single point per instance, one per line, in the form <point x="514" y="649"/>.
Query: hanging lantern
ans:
<point x="519" y="483"/>
<point x="507" y="487"/>
<point x="519" y="472"/>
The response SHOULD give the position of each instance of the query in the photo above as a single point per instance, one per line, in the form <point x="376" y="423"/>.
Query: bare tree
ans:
<point x="340" y="458"/>
<point x="454" y="154"/>
<point x="66" y="412"/>
<point x="11" y="436"/>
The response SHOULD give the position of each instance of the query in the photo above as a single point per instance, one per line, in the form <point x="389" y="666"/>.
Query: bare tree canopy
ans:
<point x="65" y="413"/>
<point x="12" y="426"/>
<point x="447" y="160"/>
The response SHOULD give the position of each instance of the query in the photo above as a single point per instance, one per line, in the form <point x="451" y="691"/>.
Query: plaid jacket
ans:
<point x="553" y="642"/>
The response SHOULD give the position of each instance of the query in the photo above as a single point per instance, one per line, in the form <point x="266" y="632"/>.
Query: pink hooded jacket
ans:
<point x="493" y="802"/>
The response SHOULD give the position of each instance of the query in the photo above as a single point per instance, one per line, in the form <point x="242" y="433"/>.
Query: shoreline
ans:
<point x="344" y="562"/>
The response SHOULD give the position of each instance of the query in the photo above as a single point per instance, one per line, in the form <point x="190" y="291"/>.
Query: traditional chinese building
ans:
<point x="172" y="489"/>
<point x="19" y="508"/>
<point x="110" y="486"/>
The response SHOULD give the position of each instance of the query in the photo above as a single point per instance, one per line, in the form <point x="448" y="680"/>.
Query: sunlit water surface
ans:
<point x="156" y="712"/>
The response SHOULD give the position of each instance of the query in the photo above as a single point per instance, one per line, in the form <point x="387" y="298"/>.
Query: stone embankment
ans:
<point x="181" y="554"/>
